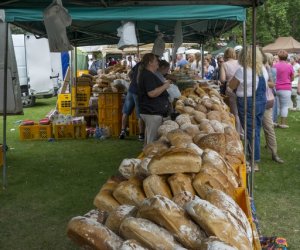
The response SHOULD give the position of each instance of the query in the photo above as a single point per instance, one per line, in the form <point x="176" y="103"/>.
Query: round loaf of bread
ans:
<point x="181" y="182"/>
<point x="188" y="110"/>
<point x="213" y="243"/>
<point x="182" y="119"/>
<point x="214" y="141"/>
<point x="179" y="138"/>
<point x="190" y="129"/>
<point x="128" y="167"/>
<point x="201" y="107"/>
<point x="214" y="115"/>
<point x="132" y="245"/>
<point x="165" y="129"/>
<point x="154" y="148"/>
<point x="156" y="185"/>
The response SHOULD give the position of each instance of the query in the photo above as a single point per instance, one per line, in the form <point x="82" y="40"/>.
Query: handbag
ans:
<point x="270" y="98"/>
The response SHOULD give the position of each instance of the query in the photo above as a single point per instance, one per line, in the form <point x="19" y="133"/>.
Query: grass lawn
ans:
<point x="51" y="182"/>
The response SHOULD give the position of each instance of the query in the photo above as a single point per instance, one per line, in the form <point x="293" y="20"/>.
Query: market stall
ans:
<point x="203" y="21"/>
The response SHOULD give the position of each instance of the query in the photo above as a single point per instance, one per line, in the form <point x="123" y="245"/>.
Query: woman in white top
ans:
<point x="227" y="71"/>
<point x="196" y="64"/>
<point x="237" y="82"/>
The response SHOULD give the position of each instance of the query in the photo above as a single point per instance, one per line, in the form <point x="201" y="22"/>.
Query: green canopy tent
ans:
<point x="230" y="44"/>
<point x="96" y="21"/>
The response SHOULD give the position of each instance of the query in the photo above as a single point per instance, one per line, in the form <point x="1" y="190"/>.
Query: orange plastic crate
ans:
<point x="72" y="131"/>
<point x="64" y="104"/>
<point x="109" y="115"/>
<point x="110" y="100"/>
<point x="35" y="132"/>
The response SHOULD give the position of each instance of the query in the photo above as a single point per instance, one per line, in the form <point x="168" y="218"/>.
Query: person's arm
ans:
<point x="157" y="91"/>
<point x="222" y="74"/>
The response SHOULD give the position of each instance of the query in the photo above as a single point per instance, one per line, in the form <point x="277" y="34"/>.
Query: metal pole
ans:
<point x="4" y="184"/>
<point x="253" y="97"/>
<point x="75" y="84"/>
<point x="202" y="61"/>
<point x="245" y="88"/>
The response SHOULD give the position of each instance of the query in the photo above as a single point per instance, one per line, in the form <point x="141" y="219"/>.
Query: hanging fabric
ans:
<point x="56" y="19"/>
<point x="159" y="45"/>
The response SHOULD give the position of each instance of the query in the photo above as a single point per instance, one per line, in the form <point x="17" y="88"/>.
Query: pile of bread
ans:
<point x="180" y="194"/>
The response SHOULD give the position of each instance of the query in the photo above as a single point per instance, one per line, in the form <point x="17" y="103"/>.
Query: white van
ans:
<point x="40" y="71"/>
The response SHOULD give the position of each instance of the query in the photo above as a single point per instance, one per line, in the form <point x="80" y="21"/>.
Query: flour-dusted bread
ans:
<point x="188" y="110"/>
<point x="130" y="192"/>
<point x="97" y="215"/>
<point x="115" y="218"/>
<point x="128" y="167"/>
<point x="143" y="169"/>
<point x="182" y="198"/>
<point x="206" y="127"/>
<point x="213" y="243"/>
<point x="149" y="234"/>
<point x="171" y="123"/>
<point x="164" y="129"/>
<point x="179" y="138"/>
<point x="132" y="245"/>
<point x="156" y="185"/>
<point x="213" y="158"/>
<point x="200" y="107"/>
<point x="155" y="147"/>
<point x="217" y="126"/>
<point x="169" y="215"/>
<point x="195" y="148"/>
<point x="189" y="102"/>
<point x="214" y="141"/>
<point x="91" y="234"/>
<point x="182" y="119"/>
<point x="181" y="182"/>
<point x="215" y="222"/>
<point x="104" y="200"/>
<point x="175" y="160"/>
<point x="199" y="116"/>
<point x="234" y="147"/>
<point x="226" y="203"/>
<point x="214" y="115"/>
<point x="213" y="178"/>
<point x="190" y="129"/>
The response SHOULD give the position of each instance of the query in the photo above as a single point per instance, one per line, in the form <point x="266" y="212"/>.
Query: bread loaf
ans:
<point x="215" y="222"/>
<point x="181" y="182"/>
<point x="115" y="218"/>
<point x="156" y="185"/>
<point x="182" y="119"/>
<point x="206" y="127"/>
<point x="154" y="148"/>
<point x="169" y="215"/>
<point x="214" y="179"/>
<point x="226" y="203"/>
<point x="182" y="198"/>
<point x="130" y="192"/>
<point x="179" y="138"/>
<point x="176" y="160"/>
<point x="199" y="116"/>
<point x="149" y="234"/>
<point x="92" y="235"/>
<point x="189" y="102"/>
<point x="211" y="157"/>
<point x="128" y="167"/>
<point x="214" y="115"/>
<point x="213" y="243"/>
<point x="234" y="147"/>
<point x="195" y="148"/>
<point x="164" y="129"/>
<point x="201" y="107"/>
<point x="104" y="200"/>
<point x="97" y="215"/>
<point x="171" y="123"/>
<point x="214" y="141"/>
<point x="132" y="245"/>
<point x="190" y="129"/>
<point x="217" y="126"/>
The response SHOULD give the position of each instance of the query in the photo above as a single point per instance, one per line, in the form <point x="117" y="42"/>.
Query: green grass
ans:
<point x="51" y="182"/>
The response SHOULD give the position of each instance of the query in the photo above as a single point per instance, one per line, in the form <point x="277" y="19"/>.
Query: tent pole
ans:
<point x="245" y="90"/>
<point x="75" y="84"/>
<point x="4" y="184"/>
<point x="253" y="96"/>
<point x="202" y="61"/>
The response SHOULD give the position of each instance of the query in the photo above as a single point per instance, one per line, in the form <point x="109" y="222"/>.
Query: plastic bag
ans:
<point x="159" y="45"/>
<point x="127" y="35"/>
<point x="56" y="19"/>
<point x="173" y="92"/>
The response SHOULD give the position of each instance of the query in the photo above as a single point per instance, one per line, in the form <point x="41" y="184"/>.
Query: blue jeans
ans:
<point x="259" y="112"/>
<point x="131" y="101"/>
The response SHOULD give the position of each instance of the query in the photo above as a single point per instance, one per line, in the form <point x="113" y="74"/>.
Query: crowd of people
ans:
<point x="277" y="86"/>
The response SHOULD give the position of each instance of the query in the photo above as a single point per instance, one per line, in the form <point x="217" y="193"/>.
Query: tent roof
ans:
<point x="287" y="43"/>
<point x="230" y="44"/>
<point x="98" y="25"/>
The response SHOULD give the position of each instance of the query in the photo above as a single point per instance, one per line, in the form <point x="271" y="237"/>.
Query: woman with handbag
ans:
<point x="267" y="122"/>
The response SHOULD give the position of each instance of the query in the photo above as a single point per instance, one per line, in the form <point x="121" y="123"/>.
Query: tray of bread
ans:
<point x="185" y="191"/>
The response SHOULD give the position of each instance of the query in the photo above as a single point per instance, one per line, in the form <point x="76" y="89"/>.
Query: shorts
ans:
<point x="131" y="101"/>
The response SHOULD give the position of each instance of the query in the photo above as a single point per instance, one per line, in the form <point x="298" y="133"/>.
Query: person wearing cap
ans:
<point x="237" y="50"/>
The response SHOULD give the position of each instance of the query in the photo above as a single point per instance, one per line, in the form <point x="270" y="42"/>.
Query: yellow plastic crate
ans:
<point x="81" y="96"/>
<point x="71" y="131"/>
<point x="111" y="115"/>
<point x="64" y="104"/>
<point x="81" y="72"/>
<point x="133" y="124"/>
<point x="35" y="132"/>
<point x="110" y="100"/>
<point x="81" y="111"/>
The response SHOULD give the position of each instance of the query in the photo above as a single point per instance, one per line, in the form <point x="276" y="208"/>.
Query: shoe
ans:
<point x="141" y="137"/>
<point x="275" y="125"/>
<point x="283" y="126"/>
<point x="293" y="109"/>
<point x="277" y="159"/>
<point x="256" y="168"/>
<point x="122" y="135"/>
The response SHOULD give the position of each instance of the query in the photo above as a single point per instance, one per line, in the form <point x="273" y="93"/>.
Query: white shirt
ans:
<point x="239" y="75"/>
<point x="296" y="68"/>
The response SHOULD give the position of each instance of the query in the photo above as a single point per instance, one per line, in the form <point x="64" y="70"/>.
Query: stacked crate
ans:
<point x="35" y="132"/>
<point x="64" y="104"/>
<point x="70" y="131"/>
<point x="110" y="112"/>
<point x="80" y="100"/>
<point x="133" y="124"/>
